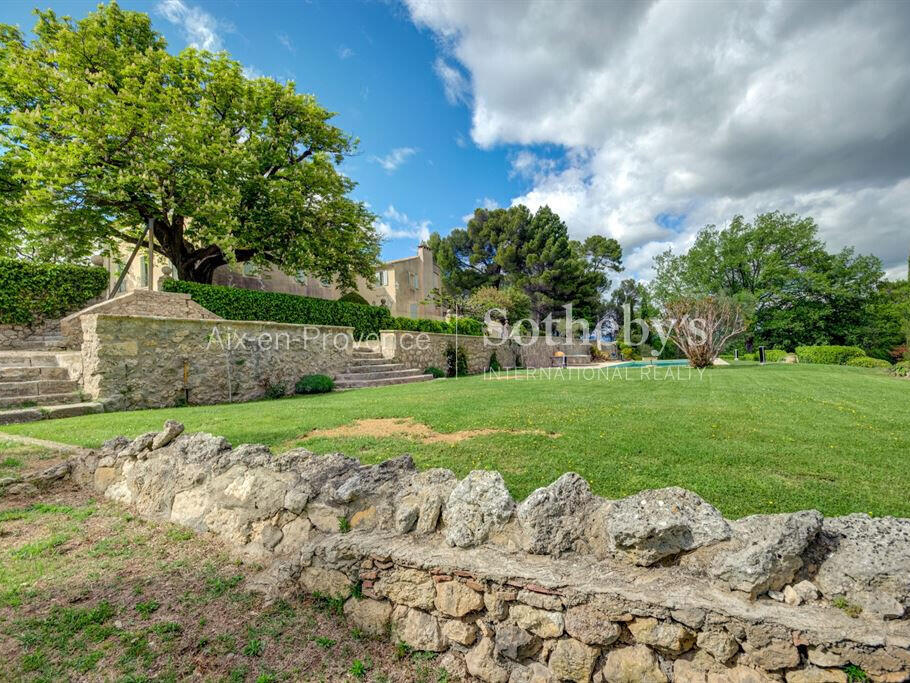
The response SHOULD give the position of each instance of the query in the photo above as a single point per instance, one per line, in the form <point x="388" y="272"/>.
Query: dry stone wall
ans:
<point x="148" y="362"/>
<point x="562" y="586"/>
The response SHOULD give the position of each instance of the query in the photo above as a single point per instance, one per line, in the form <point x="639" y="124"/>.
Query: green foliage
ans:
<point x="828" y="355"/>
<point x="503" y="305"/>
<point x="344" y="525"/>
<point x="314" y="384"/>
<point x="274" y="391"/>
<point x="147" y="608"/>
<point x="456" y="361"/>
<point x="359" y="668"/>
<point x="901" y="369"/>
<point x="494" y="363"/>
<point x="102" y="128"/>
<point x="31" y="292"/>
<point x="248" y="304"/>
<point x="855" y="674"/>
<point x="771" y="356"/>
<point x="513" y="248"/>
<point x="353" y="298"/>
<point x="867" y="362"/>
<point x="466" y="326"/>
<point x="254" y="648"/>
<point x="436" y="372"/>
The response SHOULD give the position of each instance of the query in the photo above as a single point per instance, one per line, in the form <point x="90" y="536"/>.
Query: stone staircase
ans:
<point x="33" y="386"/>
<point x="369" y="369"/>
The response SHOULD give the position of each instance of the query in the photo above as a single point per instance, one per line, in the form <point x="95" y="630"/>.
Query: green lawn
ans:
<point x="748" y="438"/>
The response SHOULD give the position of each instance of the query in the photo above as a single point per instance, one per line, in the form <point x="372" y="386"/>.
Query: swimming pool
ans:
<point x="645" y="363"/>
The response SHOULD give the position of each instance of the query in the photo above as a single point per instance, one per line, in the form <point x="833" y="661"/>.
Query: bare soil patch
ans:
<point x="408" y="428"/>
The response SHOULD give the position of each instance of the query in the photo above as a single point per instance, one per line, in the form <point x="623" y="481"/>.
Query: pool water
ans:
<point x="643" y="363"/>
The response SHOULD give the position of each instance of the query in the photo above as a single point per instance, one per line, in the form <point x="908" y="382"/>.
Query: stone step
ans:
<point x="50" y="412"/>
<point x="39" y="345"/>
<point x="348" y="376"/>
<point x="45" y="400"/>
<point x="374" y="367"/>
<point x="28" y="359"/>
<point x="364" y="383"/>
<point x="23" y="374"/>
<point x="379" y="360"/>
<point x="39" y="387"/>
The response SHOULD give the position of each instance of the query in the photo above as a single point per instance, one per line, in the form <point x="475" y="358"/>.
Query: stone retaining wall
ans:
<point x="563" y="586"/>
<point x="11" y="336"/>
<point x="148" y="362"/>
<point x="428" y="349"/>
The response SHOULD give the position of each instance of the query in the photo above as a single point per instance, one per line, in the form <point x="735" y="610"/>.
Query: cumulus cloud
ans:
<point x="399" y="225"/>
<point x="454" y="82"/>
<point x="200" y="28"/>
<point x="693" y="110"/>
<point x="391" y="161"/>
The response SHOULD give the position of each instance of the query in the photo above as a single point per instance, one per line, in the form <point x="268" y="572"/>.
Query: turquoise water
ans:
<point x="641" y="363"/>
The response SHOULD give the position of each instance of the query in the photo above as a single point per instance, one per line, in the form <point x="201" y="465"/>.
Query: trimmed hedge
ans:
<point x="771" y="355"/>
<point x="32" y="292"/>
<point x="466" y="326"/>
<point x="233" y="303"/>
<point x="314" y="384"/>
<point x="828" y="355"/>
<point x="867" y="362"/>
<point x="353" y="298"/>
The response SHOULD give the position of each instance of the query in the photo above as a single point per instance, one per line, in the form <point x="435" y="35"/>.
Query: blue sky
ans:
<point x="417" y="166"/>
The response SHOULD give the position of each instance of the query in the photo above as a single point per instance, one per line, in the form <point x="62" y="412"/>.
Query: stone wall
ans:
<point x="563" y="586"/>
<point x="137" y="302"/>
<point x="428" y="349"/>
<point x="14" y="336"/>
<point x="148" y="362"/>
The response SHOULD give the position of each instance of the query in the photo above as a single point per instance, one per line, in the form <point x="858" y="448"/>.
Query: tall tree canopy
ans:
<point x="532" y="252"/>
<point x="102" y="129"/>
<point x="797" y="291"/>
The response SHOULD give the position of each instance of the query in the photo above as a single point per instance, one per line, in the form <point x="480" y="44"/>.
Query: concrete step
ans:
<point x="353" y="376"/>
<point x="39" y="387"/>
<point x="374" y="367"/>
<point x="23" y="374"/>
<point x="364" y="383"/>
<point x="33" y="401"/>
<point x="50" y="412"/>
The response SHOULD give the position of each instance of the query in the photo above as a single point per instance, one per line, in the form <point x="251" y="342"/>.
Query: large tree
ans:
<point x="532" y="252"/>
<point x="102" y="130"/>
<point x="796" y="292"/>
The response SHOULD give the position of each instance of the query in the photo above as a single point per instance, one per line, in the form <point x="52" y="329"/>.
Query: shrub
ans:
<point x="899" y="353"/>
<point x="466" y="326"/>
<point x="314" y="384"/>
<point x="248" y="304"/>
<point x="31" y="292"/>
<point x="456" y="361"/>
<point x="273" y="391"/>
<point x="901" y="369"/>
<point x="494" y="363"/>
<point x="828" y="355"/>
<point x="866" y="362"/>
<point x="353" y="298"/>
<point x="436" y="372"/>
<point x="771" y="355"/>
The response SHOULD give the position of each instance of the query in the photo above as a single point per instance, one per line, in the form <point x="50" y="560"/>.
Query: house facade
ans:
<point x="403" y="286"/>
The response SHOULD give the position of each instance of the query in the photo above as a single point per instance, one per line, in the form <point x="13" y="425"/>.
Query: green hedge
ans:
<point x="467" y="326"/>
<point x="771" y="355"/>
<point x="828" y="355"/>
<point x="31" y="292"/>
<point x="867" y="362"/>
<point x="233" y="303"/>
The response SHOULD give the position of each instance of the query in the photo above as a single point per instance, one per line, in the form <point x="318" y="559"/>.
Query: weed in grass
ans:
<point x="402" y="650"/>
<point x="44" y="546"/>
<point x="254" y="648"/>
<point x="147" y="608"/>
<point x="237" y="675"/>
<point x="224" y="644"/>
<point x="178" y="534"/>
<point x="360" y="667"/>
<point x="10" y="463"/>
<point x="356" y="633"/>
<point x="168" y="629"/>
<point x="216" y="586"/>
<point x="323" y="642"/>
<point x="266" y="677"/>
<point x="324" y="603"/>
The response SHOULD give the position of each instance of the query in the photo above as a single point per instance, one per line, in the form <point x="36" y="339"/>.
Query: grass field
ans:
<point x="748" y="438"/>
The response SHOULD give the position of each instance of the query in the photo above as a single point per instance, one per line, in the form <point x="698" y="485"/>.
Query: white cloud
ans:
<point x="698" y="110"/>
<point x="200" y="28"/>
<point x="285" y="40"/>
<point x="391" y="161"/>
<point x="344" y="52"/>
<point x="456" y="85"/>
<point x="404" y="226"/>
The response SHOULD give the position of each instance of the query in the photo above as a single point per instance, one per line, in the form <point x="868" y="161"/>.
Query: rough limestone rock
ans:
<point x="479" y="504"/>
<point x="636" y="664"/>
<point x="418" y="629"/>
<point x="815" y="675"/>
<point x="326" y="518"/>
<point x="718" y="643"/>
<point x="778" y="654"/>
<point x="533" y="673"/>
<point x="572" y="660"/>
<point x="540" y="600"/>
<point x="172" y="429"/>
<point x="371" y="617"/>
<point x="459" y="631"/>
<point x="867" y="560"/>
<point x="659" y="523"/>
<point x="497" y="604"/>
<point x="139" y="445"/>
<point x="456" y="599"/>
<point x="555" y="518"/>
<point x="539" y="622"/>
<point x="664" y="636"/>
<point x="766" y="551"/>
<point x="410" y="587"/>
<point x="806" y="590"/>
<point x="513" y="642"/>
<point x="591" y="625"/>
<point x="741" y="674"/>
<point x="482" y="663"/>
<point x="328" y="582"/>
<point x="420" y="505"/>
